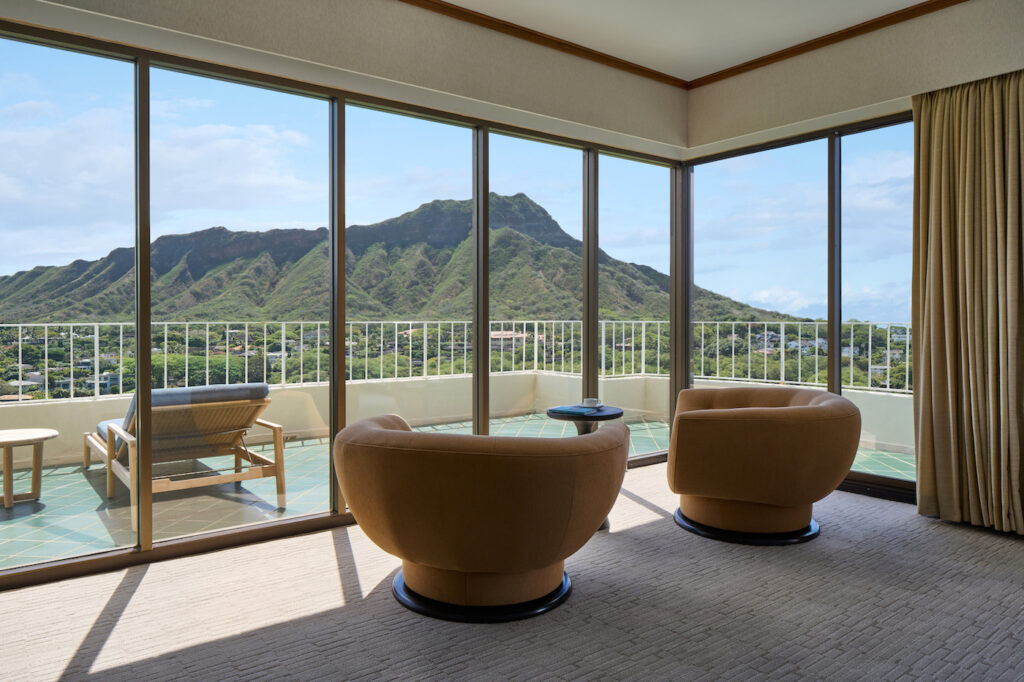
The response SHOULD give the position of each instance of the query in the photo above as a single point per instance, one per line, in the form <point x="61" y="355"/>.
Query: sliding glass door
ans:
<point x="67" y="298"/>
<point x="877" y="219"/>
<point x="408" y="269"/>
<point x="240" y="296"/>
<point x="760" y="302"/>
<point x="633" y="297"/>
<point x="536" y="285"/>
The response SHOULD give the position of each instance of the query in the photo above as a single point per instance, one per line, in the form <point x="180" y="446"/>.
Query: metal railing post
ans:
<point x="95" y="359"/>
<point x="46" y="360"/>
<point x="782" y="352"/>
<point x="227" y="352"/>
<point x="71" y="358"/>
<point x="165" y="355"/>
<point x="188" y="351"/>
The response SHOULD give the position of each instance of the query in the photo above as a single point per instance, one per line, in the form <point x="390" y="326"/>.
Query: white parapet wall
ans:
<point x="303" y="410"/>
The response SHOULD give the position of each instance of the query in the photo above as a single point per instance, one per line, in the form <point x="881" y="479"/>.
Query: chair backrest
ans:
<point x="202" y="417"/>
<point x="498" y="503"/>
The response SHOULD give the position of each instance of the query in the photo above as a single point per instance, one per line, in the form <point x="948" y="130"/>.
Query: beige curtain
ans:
<point x="968" y="302"/>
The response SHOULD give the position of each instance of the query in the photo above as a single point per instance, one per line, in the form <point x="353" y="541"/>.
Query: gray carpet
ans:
<point x="882" y="594"/>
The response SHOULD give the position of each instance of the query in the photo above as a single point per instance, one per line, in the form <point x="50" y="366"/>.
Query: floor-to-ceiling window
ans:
<point x="408" y="269"/>
<point x="760" y="301"/>
<point x="760" y="270"/>
<point x="240" y="294"/>
<point x="536" y="284"/>
<point x="877" y="242"/>
<point x="633" y="297"/>
<point x="67" y="293"/>
<point x="240" y="272"/>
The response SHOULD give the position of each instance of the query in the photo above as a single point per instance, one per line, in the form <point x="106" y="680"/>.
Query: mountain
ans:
<point x="415" y="266"/>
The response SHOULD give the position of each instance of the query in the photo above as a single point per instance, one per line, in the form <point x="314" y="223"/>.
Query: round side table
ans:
<point x="12" y="438"/>
<point x="586" y="423"/>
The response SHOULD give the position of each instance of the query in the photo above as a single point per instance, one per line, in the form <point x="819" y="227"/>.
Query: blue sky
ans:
<point x="253" y="159"/>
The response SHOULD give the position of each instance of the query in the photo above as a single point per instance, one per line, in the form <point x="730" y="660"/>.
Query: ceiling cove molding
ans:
<point x="868" y="26"/>
<point x="528" y="34"/>
<point x="462" y="14"/>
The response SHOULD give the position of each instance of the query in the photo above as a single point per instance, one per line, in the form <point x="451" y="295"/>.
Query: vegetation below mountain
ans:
<point x="417" y="266"/>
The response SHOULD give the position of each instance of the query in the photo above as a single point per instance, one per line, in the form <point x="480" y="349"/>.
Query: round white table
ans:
<point x="12" y="438"/>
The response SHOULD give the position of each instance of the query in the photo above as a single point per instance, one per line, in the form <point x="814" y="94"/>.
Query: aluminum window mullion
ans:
<point x="143" y="316"/>
<point x="336" y="322"/>
<point x="590" y="266"/>
<point x="481" y="239"/>
<point x="834" y="331"/>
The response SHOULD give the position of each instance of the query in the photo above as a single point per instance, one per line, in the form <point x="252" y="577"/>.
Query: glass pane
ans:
<point x="409" y="269"/>
<point x="761" y="268"/>
<point x="633" y="297"/>
<point x="67" y="294"/>
<point x="877" y="205"/>
<point x="240" y="301"/>
<point x="536" y="278"/>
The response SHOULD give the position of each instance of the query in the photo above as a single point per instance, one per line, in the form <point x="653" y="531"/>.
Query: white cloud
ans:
<point x="373" y="198"/>
<point x="223" y="167"/>
<point x="67" y="187"/>
<point x="27" y="111"/>
<point x="16" y="84"/>
<point x="877" y="302"/>
<point x="174" y="108"/>
<point x="75" y="172"/>
<point x="783" y="299"/>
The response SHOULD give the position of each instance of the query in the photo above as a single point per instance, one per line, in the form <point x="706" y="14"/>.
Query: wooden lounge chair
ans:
<point x="191" y="423"/>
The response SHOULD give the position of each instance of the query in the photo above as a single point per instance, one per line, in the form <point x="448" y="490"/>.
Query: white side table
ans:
<point x="10" y="439"/>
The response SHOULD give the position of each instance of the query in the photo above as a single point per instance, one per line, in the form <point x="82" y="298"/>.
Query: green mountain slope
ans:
<point x="415" y="266"/>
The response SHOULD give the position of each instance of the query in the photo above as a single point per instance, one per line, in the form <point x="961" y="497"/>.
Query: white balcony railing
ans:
<point x="78" y="360"/>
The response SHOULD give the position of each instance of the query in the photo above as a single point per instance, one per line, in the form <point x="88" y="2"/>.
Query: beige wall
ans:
<point x="860" y="78"/>
<point x="390" y="49"/>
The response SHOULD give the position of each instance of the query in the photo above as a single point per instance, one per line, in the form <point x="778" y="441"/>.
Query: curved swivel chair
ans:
<point x="482" y="524"/>
<point x="748" y="463"/>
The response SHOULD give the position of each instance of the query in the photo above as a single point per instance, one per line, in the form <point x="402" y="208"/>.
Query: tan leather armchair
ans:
<point x="483" y="524"/>
<point x="748" y="463"/>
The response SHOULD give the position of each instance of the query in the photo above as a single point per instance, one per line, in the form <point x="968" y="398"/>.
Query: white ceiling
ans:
<point x="686" y="38"/>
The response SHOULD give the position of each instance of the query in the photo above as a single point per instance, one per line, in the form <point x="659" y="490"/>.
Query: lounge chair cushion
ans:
<point x="101" y="428"/>
<point x="190" y="395"/>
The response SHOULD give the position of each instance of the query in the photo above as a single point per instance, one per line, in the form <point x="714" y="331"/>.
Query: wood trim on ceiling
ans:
<point x="469" y="16"/>
<point x="528" y="34"/>
<point x="905" y="14"/>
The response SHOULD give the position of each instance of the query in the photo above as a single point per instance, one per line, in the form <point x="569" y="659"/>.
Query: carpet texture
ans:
<point x="882" y="594"/>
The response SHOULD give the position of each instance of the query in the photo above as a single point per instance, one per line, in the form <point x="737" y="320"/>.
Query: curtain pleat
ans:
<point x="968" y="302"/>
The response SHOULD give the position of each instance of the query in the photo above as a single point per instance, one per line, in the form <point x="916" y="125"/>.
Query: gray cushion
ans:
<point x="209" y="394"/>
<point x="101" y="428"/>
<point x="192" y="395"/>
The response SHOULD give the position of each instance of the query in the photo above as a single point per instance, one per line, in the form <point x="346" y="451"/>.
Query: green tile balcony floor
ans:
<point x="74" y="517"/>
<point x="892" y="464"/>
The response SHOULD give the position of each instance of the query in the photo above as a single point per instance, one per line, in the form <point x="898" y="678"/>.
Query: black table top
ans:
<point x="599" y="414"/>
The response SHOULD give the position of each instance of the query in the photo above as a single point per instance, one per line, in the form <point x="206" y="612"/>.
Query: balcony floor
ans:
<point x="74" y="517"/>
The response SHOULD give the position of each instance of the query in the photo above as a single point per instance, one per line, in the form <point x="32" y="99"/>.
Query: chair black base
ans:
<point x="791" y="538"/>
<point x="480" y="614"/>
